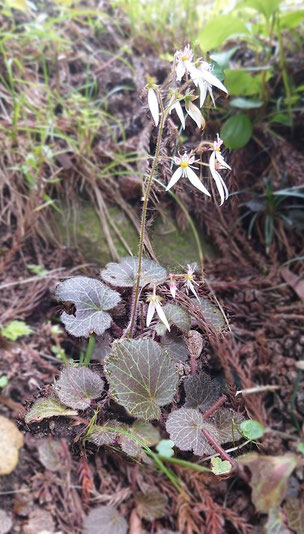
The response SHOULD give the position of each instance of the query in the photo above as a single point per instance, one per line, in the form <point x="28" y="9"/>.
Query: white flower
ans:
<point x="172" y="287"/>
<point x="195" y="114"/>
<point x="205" y="80"/>
<point x="217" y="161"/>
<point x="190" y="279"/>
<point x="185" y="171"/>
<point x="184" y="63"/>
<point x="179" y="110"/>
<point x="155" y="306"/>
<point x="153" y="105"/>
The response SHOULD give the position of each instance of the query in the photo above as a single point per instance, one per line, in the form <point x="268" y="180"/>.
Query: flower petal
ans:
<point x="210" y="78"/>
<point x="161" y="315"/>
<point x="153" y="105"/>
<point x="179" y="110"/>
<point x="196" y="181"/>
<point x="211" y="93"/>
<point x="195" y="114"/>
<point x="191" y="287"/>
<point x="218" y="179"/>
<point x="150" y="313"/>
<point x="203" y="91"/>
<point x="180" y="71"/>
<point x="175" y="177"/>
<point x="221" y="160"/>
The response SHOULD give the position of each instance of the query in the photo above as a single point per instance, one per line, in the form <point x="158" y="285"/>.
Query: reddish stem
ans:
<point x="215" y="407"/>
<point x="223" y="454"/>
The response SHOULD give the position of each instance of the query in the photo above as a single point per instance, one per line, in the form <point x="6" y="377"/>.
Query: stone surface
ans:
<point x="10" y="442"/>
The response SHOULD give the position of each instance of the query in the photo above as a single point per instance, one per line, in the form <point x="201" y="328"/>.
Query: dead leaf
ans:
<point x="135" y="526"/>
<point x="269" y="476"/>
<point x="294" y="281"/>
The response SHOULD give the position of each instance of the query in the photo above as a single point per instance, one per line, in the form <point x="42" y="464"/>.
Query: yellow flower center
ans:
<point x="184" y="164"/>
<point x="190" y="277"/>
<point x="184" y="58"/>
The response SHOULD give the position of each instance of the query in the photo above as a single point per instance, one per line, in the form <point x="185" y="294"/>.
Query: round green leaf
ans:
<point x="236" y="131"/>
<point x="124" y="273"/>
<point x="177" y="316"/>
<point x="252" y="429"/>
<point x="219" y="466"/>
<point x="142" y="377"/>
<point x="165" y="448"/>
<point x="77" y="386"/>
<point x="201" y="391"/>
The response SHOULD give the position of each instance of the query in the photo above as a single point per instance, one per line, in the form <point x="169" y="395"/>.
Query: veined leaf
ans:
<point x="151" y="505"/>
<point x="45" y="408"/>
<point x="142" y="377"/>
<point x="124" y="273"/>
<point x="92" y="299"/>
<point x="201" y="391"/>
<point x="77" y="386"/>
<point x="219" y="466"/>
<point x="101" y="435"/>
<point x="177" y="316"/>
<point x="211" y="313"/>
<point x="105" y="519"/>
<point x="176" y="347"/>
<point x="185" y="429"/>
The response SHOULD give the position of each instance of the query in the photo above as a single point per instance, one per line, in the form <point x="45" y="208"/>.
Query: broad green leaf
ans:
<point x="201" y="391"/>
<point x="21" y="5"/>
<point x="105" y="519"/>
<point x="150" y="505"/>
<point x="245" y="103"/>
<point x="236" y="131"/>
<point x="146" y="432"/>
<point x="252" y="429"/>
<point x="241" y="83"/>
<point x="220" y="28"/>
<point x="292" y="19"/>
<point x="226" y="422"/>
<point x="185" y="430"/>
<point x="92" y="299"/>
<point x="77" y="386"/>
<point x="223" y="58"/>
<point x="124" y="273"/>
<point x="177" y="316"/>
<point x="265" y="7"/>
<point x="282" y="118"/>
<point x="142" y="377"/>
<point x="176" y="347"/>
<point x="211" y="312"/>
<point x="219" y="466"/>
<point x="269" y="476"/>
<point x="15" y="329"/>
<point x="165" y="448"/>
<point x="45" y="408"/>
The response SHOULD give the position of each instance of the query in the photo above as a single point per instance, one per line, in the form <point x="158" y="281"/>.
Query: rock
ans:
<point x="10" y="442"/>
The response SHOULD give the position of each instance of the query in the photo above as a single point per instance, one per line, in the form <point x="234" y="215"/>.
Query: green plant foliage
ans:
<point x="101" y="435"/>
<point x="219" y="29"/>
<point x="185" y="429"/>
<point x="266" y="8"/>
<point x="212" y="313"/>
<point x="176" y="347"/>
<point x="165" y="448"/>
<point x="45" y="408"/>
<point x="124" y="273"/>
<point x="92" y="299"/>
<point x="300" y="448"/>
<point x="146" y="432"/>
<point x="275" y="523"/>
<point x="177" y="316"/>
<point x="223" y="58"/>
<point x="150" y="505"/>
<point x="142" y="377"/>
<point x="245" y="103"/>
<point x="201" y="392"/>
<point x="292" y="19"/>
<point x="106" y="519"/>
<point x="219" y="466"/>
<point x="3" y="381"/>
<point x="37" y="269"/>
<point x="241" y="82"/>
<point x="227" y="421"/>
<point x="236" y="131"/>
<point x="252" y="429"/>
<point x="77" y="386"/>
<point x="15" y="329"/>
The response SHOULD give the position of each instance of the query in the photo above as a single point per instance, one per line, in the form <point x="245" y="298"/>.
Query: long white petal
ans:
<point x="196" y="181"/>
<point x="180" y="71"/>
<point x="217" y="178"/>
<point x="150" y="313"/>
<point x="221" y="160"/>
<point x="203" y="92"/>
<point x="179" y="110"/>
<point x="195" y="114"/>
<point x="191" y="287"/>
<point x="161" y="315"/>
<point x="193" y="71"/>
<point x="225" y="188"/>
<point x="153" y="105"/>
<point x="211" y="93"/>
<point x="210" y="78"/>
<point x="175" y="177"/>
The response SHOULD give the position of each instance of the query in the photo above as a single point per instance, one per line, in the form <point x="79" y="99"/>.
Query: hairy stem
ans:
<point x="223" y="454"/>
<point x="143" y="219"/>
